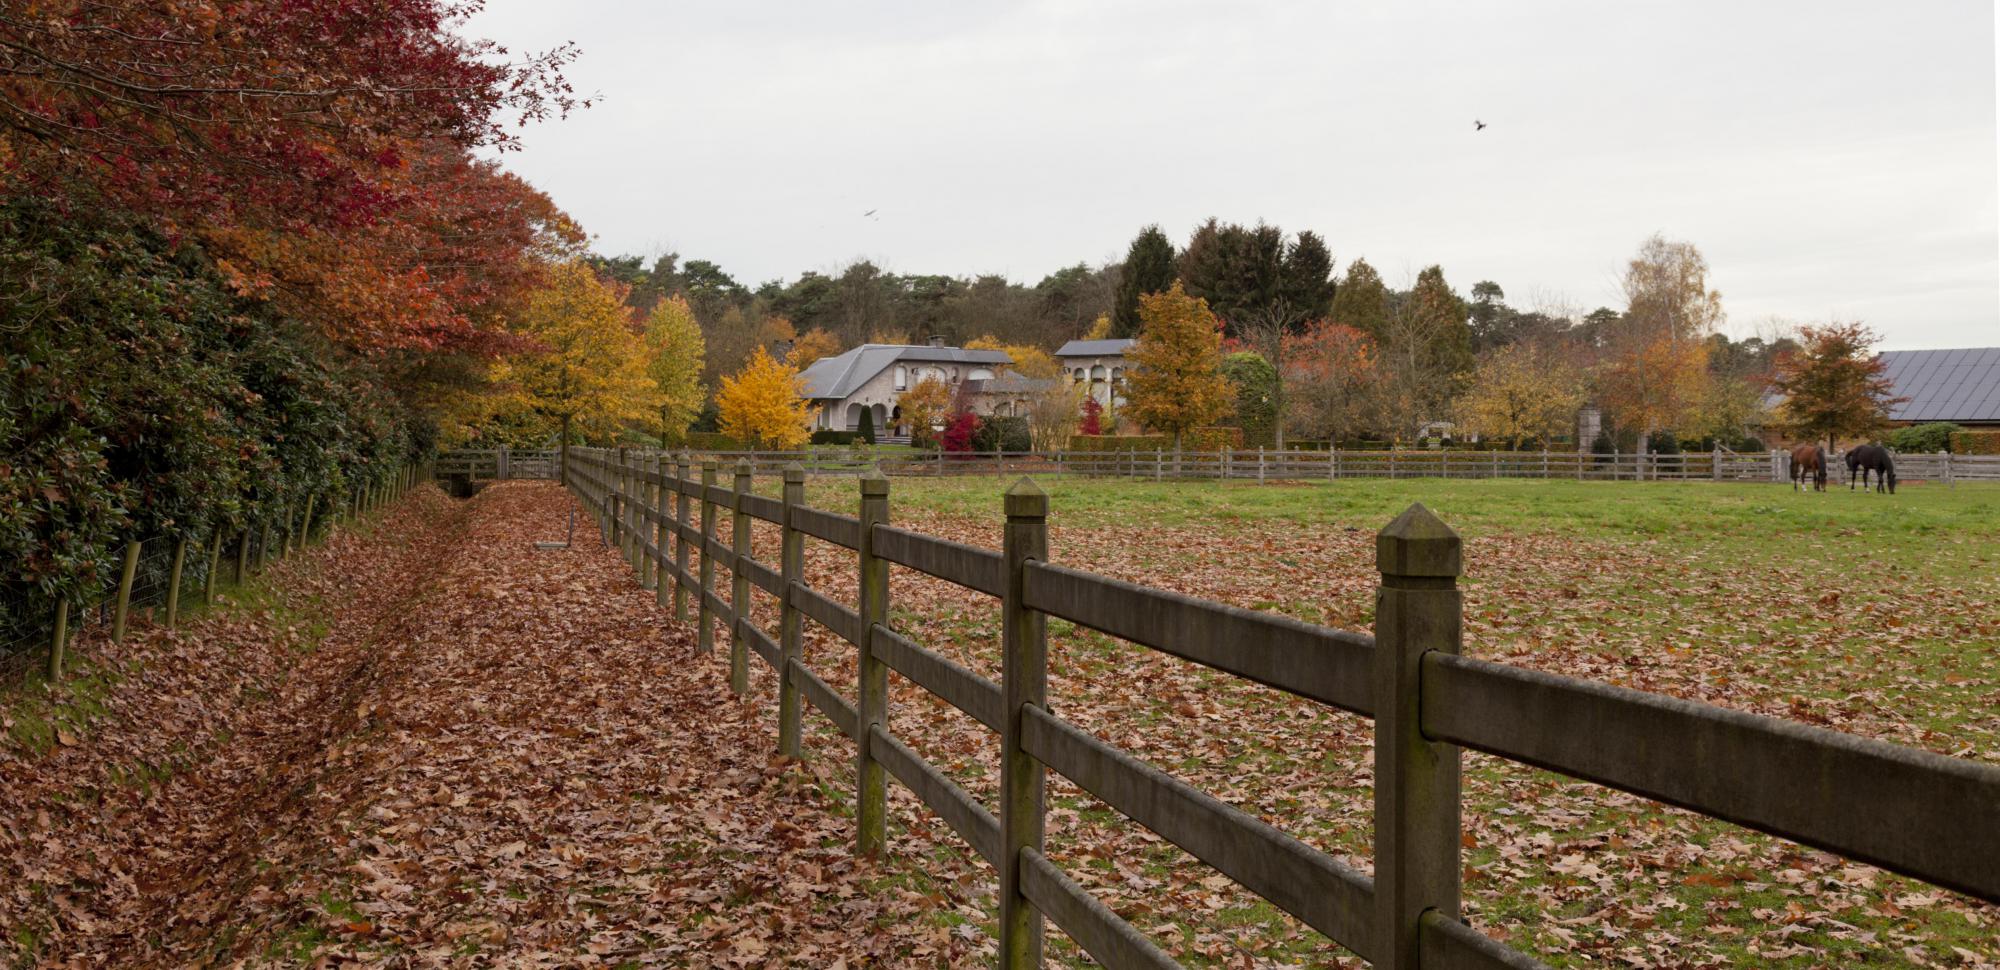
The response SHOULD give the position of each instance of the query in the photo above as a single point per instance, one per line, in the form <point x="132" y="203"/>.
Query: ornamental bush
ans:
<point x="1933" y="437"/>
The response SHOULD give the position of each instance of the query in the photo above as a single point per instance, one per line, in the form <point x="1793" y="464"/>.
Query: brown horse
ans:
<point x="1808" y="460"/>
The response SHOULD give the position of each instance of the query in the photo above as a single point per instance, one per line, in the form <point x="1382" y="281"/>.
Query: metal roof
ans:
<point x="1096" y="348"/>
<point x="1945" y="385"/>
<point x="838" y="376"/>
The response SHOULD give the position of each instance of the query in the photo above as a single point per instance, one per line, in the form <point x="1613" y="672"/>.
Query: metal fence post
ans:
<point x="680" y="537"/>
<point x="704" y="637"/>
<point x="739" y="584"/>
<point x="174" y="583"/>
<point x="872" y="677"/>
<point x="791" y="569"/>
<point x="1023" y="682"/>
<point x="1417" y="610"/>
<point x="124" y="604"/>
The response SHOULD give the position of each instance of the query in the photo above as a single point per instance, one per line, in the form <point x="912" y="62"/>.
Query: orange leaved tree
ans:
<point x="1176" y="382"/>
<point x="761" y="404"/>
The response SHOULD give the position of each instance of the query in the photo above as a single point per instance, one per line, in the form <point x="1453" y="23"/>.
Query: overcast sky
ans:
<point x="1831" y="159"/>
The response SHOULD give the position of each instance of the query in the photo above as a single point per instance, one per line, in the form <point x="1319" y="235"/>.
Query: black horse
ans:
<point x="1872" y="458"/>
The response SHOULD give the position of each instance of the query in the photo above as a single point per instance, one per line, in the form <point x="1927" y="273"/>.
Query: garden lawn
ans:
<point x="1873" y="614"/>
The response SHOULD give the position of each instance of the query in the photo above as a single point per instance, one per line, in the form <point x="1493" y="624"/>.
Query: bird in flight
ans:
<point x="870" y="212"/>
<point x="1478" y="125"/>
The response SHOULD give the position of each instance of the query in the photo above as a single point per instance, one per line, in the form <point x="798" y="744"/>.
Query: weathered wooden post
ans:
<point x="791" y="569"/>
<point x="872" y="688"/>
<point x="649" y="504"/>
<point x="1417" y="611"/>
<point x="174" y="583"/>
<point x="124" y="603"/>
<point x="264" y="546"/>
<point x="739" y="583"/>
<point x="704" y="637"/>
<point x="500" y="464"/>
<point x="681" y="522"/>
<point x="242" y="556"/>
<point x="612" y="518"/>
<point x="306" y="521"/>
<point x="59" y="639"/>
<point x="1023" y="682"/>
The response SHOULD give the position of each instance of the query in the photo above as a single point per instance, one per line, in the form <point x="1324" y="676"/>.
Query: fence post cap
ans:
<point x="1418" y="543"/>
<point x="873" y="482"/>
<point x="794" y="472"/>
<point x="1026" y="500"/>
<point x="743" y="469"/>
<point x="710" y="464"/>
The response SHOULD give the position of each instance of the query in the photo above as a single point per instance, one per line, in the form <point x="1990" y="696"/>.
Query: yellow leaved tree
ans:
<point x="762" y="406"/>
<point x="676" y="354"/>
<point x="1176" y="382"/>
<point x="1523" y="391"/>
<point x="585" y="368"/>
<point x="1029" y="360"/>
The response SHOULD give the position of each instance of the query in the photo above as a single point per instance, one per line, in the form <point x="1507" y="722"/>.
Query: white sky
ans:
<point x="1831" y="159"/>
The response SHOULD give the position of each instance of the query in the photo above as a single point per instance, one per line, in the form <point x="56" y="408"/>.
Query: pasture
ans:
<point x="1872" y="614"/>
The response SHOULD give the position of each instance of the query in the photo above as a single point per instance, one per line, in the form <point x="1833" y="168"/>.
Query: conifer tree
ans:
<point x="1149" y="268"/>
<point x="1361" y="301"/>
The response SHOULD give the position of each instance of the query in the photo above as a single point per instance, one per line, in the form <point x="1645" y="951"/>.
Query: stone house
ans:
<point x="1098" y="364"/>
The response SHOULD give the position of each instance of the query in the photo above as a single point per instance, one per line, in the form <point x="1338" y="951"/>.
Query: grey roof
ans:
<point x="1096" y="348"/>
<point x="838" y="376"/>
<point x="1945" y="385"/>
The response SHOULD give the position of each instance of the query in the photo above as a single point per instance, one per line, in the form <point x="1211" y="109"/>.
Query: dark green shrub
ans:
<point x="1931" y="438"/>
<point x="1000" y="433"/>
<point x="828" y="437"/>
<point x="867" y="429"/>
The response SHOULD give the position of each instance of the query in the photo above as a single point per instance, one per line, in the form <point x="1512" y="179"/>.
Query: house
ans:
<point x="1099" y="364"/>
<point x="870" y="376"/>
<point x="1961" y="386"/>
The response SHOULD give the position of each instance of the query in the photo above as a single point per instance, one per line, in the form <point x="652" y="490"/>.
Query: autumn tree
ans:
<point x="1148" y="268"/>
<point x="1028" y="360"/>
<point x="763" y="405"/>
<point x="1333" y="375"/>
<point x="811" y="346"/>
<point x="1656" y="353"/>
<point x="585" y="368"/>
<point x="1834" y="386"/>
<point x="675" y="357"/>
<point x="1522" y="391"/>
<point x="1426" y="352"/>
<point x="1361" y="301"/>
<point x="1053" y="414"/>
<point x="924" y="407"/>
<point x="1176" y="382"/>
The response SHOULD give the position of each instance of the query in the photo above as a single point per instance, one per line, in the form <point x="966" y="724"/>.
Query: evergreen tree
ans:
<point x="867" y="429"/>
<point x="1149" y="268"/>
<point x="1256" y="384"/>
<point x="1361" y="301"/>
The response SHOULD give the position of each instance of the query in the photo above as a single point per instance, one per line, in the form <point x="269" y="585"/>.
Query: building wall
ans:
<point x="1105" y="376"/>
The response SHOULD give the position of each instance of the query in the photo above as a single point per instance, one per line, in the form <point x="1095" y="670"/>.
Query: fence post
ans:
<point x="704" y="637"/>
<point x="649" y="504"/>
<point x="1949" y="483"/>
<point x="739" y="584"/>
<point x="264" y="546"/>
<point x="872" y="677"/>
<point x="58" y="638"/>
<point x="791" y="569"/>
<point x="124" y="605"/>
<point x="242" y="555"/>
<point x="174" y="584"/>
<point x="662" y="535"/>
<point x="1023" y="682"/>
<point x="1417" y="610"/>
<point x="501" y="461"/>
<point x="681" y="520"/>
<point x="306" y="522"/>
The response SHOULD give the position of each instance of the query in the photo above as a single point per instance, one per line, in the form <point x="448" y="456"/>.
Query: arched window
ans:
<point x="1097" y="373"/>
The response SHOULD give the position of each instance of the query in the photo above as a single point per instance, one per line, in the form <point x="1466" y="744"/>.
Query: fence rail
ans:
<point x="1903" y="809"/>
<point x="1257" y="465"/>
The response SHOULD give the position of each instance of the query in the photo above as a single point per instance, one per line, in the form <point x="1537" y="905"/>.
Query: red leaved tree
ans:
<point x="1834" y="385"/>
<point x="1093" y="417"/>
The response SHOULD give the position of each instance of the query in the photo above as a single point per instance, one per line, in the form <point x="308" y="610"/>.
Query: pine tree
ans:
<point x="1149" y="268"/>
<point x="1361" y="301"/>
<point x="761" y="405"/>
<point x="1176" y="381"/>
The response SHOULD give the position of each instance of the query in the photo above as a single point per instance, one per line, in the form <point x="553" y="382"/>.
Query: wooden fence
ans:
<point x="156" y="571"/>
<point x="1262" y="466"/>
<point x="1913" y="812"/>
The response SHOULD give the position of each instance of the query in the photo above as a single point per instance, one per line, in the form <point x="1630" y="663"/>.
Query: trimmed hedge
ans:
<point x="1932" y="437"/>
<point x="713" y="441"/>
<point x="1975" y="442"/>
<point x="827" y="437"/>
<point x="1120" y="442"/>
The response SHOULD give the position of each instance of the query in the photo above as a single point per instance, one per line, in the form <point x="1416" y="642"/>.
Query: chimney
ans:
<point x="937" y="340"/>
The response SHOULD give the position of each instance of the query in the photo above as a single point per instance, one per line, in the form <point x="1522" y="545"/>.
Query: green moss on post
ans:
<point x="791" y="569"/>
<point x="123" y="607"/>
<point x="59" y="639"/>
<point x="1023" y="682"/>
<point x="872" y="690"/>
<point x="174" y="582"/>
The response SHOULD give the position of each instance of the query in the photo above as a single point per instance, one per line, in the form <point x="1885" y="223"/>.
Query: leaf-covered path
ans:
<point x="488" y="755"/>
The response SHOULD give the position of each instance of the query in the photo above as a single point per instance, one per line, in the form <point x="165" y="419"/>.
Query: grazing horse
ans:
<point x="1808" y="460"/>
<point x="1872" y="458"/>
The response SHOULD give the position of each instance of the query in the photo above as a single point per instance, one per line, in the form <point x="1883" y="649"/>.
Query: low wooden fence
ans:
<point x="1260" y="465"/>
<point x="37" y="629"/>
<point x="1913" y="812"/>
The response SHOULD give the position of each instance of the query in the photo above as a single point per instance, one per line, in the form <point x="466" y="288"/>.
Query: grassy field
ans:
<point x="1873" y="614"/>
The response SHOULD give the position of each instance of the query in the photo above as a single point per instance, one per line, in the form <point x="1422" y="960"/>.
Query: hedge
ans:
<point x="1120" y="442"/>
<point x="713" y="441"/>
<point x="1932" y="437"/>
<point x="828" y="437"/>
<point x="1975" y="443"/>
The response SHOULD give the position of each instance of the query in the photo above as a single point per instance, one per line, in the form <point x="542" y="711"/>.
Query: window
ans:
<point x="902" y="378"/>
